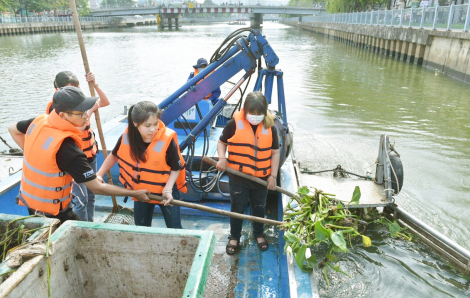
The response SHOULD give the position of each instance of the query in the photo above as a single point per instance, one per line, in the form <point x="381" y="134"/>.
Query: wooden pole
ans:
<point x="246" y="176"/>
<point x="218" y="211"/>
<point x="78" y="29"/>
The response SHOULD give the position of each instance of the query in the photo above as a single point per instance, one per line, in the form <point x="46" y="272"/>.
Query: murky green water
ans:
<point x="340" y="100"/>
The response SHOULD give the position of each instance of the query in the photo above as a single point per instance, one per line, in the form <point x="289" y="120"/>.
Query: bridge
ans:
<point x="167" y="14"/>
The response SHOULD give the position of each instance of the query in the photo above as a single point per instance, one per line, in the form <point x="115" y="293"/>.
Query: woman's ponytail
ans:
<point x="268" y="120"/>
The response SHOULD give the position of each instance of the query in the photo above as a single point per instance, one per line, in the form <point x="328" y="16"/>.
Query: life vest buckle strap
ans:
<point x="90" y="147"/>
<point x="62" y="174"/>
<point x="58" y="189"/>
<point x="87" y="138"/>
<point x="56" y="201"/>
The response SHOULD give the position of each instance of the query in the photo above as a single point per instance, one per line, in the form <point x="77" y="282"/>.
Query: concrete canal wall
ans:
<point x="445" y="51"/>
<point x="45" y="27"/>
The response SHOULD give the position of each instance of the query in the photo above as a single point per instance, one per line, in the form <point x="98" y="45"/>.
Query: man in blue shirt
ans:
<point x="201" y="64"/>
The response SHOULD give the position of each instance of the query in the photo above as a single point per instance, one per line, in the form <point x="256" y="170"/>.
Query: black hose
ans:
<point x="343" y="171"/>
<point x="221" y="51"/>
<point x="227" y="44"/>
<point x="239" y="103"/>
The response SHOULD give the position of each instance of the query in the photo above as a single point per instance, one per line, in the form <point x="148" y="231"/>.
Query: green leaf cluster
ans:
<point x="395" y="229"/>
<point x="313" y="220"/>
<point x="14" y="235"/>
<point x="117" y="3"/>
<point x="3" y="5"/>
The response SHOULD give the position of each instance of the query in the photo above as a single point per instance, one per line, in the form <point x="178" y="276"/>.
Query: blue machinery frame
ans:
<point x="242" y="56"/>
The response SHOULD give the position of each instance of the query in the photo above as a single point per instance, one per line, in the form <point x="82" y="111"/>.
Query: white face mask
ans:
<point x="200" y="69"/>
<point x="254" y="119"/>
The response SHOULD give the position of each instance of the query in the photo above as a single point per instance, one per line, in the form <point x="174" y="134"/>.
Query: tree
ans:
<point x="41" y="5"/>
<point x="64" y="5"/>
<point x="338" y="6"/>
<point x="118" y="3"/>
<point x="20" y="6"/>
<point x="4" y="5"/>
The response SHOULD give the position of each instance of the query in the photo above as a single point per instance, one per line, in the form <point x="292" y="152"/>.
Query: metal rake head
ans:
<point x="124" y="216"/>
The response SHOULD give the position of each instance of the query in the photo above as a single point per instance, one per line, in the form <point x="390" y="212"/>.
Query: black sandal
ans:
<point x="263" y="246"/>
<point x="232" y="249"/>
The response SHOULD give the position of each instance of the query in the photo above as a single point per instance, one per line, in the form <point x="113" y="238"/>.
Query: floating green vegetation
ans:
<point x="315" y="221"/>
<point x="394" y="228"/>
<point x="14" y="235"/>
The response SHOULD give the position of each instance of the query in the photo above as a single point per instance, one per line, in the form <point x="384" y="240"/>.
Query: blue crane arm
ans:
<point x="242" y="56"/>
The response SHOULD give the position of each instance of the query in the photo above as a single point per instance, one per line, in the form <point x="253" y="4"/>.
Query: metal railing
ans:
<point x="453" y="17"/>
<point x="43" y="19"/>
<point x="252" y="3"/>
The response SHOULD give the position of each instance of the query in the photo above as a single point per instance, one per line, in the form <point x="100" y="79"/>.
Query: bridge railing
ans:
<point x="41" y="19"/>
<point x="251" y="3"/>
<point x="453" y="17"/>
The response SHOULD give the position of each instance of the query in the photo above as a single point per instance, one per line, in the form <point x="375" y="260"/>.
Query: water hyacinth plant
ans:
<point x="316" y="225"/>
<point x="317" y="220"/>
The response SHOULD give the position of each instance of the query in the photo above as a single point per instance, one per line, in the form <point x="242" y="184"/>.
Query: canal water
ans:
<point x="340" y="99"/>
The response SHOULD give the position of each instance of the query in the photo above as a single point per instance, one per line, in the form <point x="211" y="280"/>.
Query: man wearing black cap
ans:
<point x="53" y="159"/>
<point x="200" y="65"/>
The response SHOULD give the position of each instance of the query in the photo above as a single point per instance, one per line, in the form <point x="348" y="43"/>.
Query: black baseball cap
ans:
<point x="70" y="98"/>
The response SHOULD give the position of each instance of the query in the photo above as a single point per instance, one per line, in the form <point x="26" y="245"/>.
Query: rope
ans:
<point x="392" y="146"/>
<point x="3" y="140"/>
<point x="390" y="162"/>
<point x="338" y="169"/>
<point x="12" y="151"/>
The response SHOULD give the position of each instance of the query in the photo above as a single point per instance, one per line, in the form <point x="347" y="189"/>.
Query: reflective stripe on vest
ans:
<point x="58" y="174"/>
<point x="55" y="201"/>
<point x="21" y="201"/>
<point x="152" y="174"/>
<point x="248" y="152"/>
<point x="44" y="187"/>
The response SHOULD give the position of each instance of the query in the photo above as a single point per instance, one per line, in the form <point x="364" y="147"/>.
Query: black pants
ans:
<point x="239" y="199"/>
<point x="67" y="214"/>
<point x="143" y="213"/>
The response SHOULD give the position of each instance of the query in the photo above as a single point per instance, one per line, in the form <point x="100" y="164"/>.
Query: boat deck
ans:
<point x="250" y="273"/>
<point x="372" y="194"/>
<point x="10" y="165"/>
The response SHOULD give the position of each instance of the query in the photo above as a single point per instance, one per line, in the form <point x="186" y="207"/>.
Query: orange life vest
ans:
<point x="152" y="174"/>
<point x="196" y="72"/>
<point x="248" y="152"/>
<point x="44" y="187"/>
<point x="90" y="147"/>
